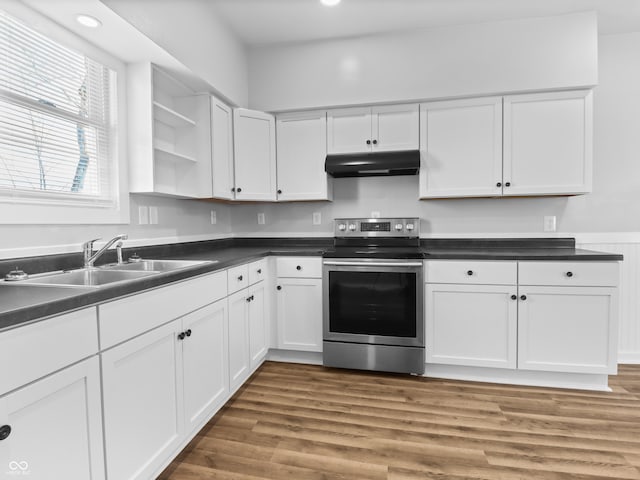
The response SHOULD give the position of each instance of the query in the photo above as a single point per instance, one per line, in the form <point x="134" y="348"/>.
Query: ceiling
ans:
<point x="261" y="22"/>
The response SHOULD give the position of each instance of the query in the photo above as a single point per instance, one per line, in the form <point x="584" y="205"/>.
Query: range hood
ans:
<point x="373" y="164"/>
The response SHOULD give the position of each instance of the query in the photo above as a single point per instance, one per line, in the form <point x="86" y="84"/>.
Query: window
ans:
<point x="56" y="121"/>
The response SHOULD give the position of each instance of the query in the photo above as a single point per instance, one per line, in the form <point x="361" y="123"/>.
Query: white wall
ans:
<point x="487" y="58"/>
<point x="614" y="205"/>
<point x="179" y="220"/>
<point x="192" y="32"/>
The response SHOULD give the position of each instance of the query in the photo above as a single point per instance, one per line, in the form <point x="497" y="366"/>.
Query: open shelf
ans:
<point x="170" y="117"/>
<point x="167" y="154"/>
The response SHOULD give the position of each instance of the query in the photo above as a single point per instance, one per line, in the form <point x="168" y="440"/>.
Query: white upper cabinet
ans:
<point x="534" y="144"/>
<point x="222" y="149"/>
<point x="255" y="155"/>
<point x="461" y="148"/>
<point x="302" y="148"/>
<point x="548" y="141"/>
<point x="373" y="129"/>
<point x="169" y="135"/>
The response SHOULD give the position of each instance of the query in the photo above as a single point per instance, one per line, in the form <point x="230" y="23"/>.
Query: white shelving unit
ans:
<point x="170" y="144"/>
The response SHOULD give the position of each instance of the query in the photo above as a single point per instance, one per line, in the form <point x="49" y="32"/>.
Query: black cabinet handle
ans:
<point x="188" y="333"/>
<point x="5" y="431"/>
<point x="252" y="298"/>
<point x="259" y="270"/>
<point x="498" y="184"/>
<point x="523" y="297"/>
<point x="469" y="272"/>
<point x="238" y="190"/>
<point x="279" y="287"/>
<point x="368" y="142"/>
<point x="181" y="336"/>
<point x="248" y="299"/>
<point x="279" y="192"/>
<point x="569" y="274"/>
<point x="298" y="267"/>
<point x="508" y="184"/>
<point x="375" y="142"/>
<point x="233" y="189"/>
<point x="514" y="297"/>
<point x="240" y="278"/>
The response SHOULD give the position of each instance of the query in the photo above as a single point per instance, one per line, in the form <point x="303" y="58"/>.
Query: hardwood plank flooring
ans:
<point x="293" y="421"/>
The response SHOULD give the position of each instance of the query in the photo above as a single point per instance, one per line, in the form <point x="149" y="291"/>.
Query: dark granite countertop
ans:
<point x="20" y="304"/>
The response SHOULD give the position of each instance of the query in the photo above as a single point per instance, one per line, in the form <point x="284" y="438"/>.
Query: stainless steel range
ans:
<point x="373" y="292"/>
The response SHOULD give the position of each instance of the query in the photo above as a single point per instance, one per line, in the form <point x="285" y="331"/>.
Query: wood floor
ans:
<point x="306" y="422"/>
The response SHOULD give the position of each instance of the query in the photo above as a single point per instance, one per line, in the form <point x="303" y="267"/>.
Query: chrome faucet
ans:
<point x="87" y="249"/>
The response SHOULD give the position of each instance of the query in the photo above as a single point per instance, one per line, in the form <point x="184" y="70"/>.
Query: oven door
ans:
<point x="373" y="301"/>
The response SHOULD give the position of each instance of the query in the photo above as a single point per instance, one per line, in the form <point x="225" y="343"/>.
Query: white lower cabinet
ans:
<point x="568" y="329"/>
<point x="160" y="386"/>
<point x="239" y="361"/>
<point x="258" y="331"/>
<point x="55" y="427"/>
<point x="299" y="307"/>
<point x="471" y="325"/>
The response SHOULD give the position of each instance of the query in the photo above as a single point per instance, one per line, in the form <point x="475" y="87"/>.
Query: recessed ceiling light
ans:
<point x="88" y="21"/>
<point x="330" y="3"/>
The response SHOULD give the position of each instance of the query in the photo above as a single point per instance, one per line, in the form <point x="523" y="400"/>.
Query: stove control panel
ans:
<point x="377" y="227"/>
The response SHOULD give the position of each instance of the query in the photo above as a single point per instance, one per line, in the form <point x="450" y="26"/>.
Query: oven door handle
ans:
<point x="373" y="264"/>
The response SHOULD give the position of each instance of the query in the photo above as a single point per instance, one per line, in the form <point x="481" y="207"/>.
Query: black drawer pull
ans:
<point x="5" y="431"/>
<point x="469" y="272"/>
<point x="181" y="336"/>
<point x="514" y="297"/>
<point x="239" y="278"/>
<point x="523" y="297"/>
<point x="298" y="267"/>
<point x="279" y="287"/>
<point x="259" y="270"/>
<point x="498" y="184"/>
<point x="188" y="333"/>
<point x="569" y="274"/>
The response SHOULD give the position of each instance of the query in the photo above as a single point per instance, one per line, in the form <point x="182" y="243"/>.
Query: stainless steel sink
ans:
<point x="86" y="277"/>
<point x="156" y="265"/>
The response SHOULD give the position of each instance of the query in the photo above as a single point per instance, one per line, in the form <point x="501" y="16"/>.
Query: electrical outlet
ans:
<point x="317" y="218"/>
<point x="261" y="218"/>
<point x="375" y="214"/>
<point x="214" y="217"/>
<point x="143" y="215"/>
<point x="550" y="223"/>
<point x="153" y="215"/>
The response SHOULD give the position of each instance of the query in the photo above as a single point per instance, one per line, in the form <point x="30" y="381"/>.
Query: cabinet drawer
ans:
<point x="257" y="271"/>
<point x="131" y="316"/>
<point x="300" y="267"/>
<point x="590" y="274"/>
<point x="471" y="272"/>
<point x="238" y="278"/>
<point x="33" y="351"/>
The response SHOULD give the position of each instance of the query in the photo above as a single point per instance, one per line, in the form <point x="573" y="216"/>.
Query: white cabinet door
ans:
<point x="349" y="130"/>
<point x="222" y="149"/>
<point x="568" y="329"/>
<point x="255" y="155"/>
<point x="258" y="331"/>
<point x="56" y="427"/>
<point x="461" y="148"/>
<point x="395" y="127"/>
<point x="239" y="361"/>
<point x="548" y="141"/>
<point x="302" y="149"/>
<point x="142" y="393"/>
<point x="299" y="309"/>
<point x="205" y="361"/>
<point x="473" y="325"/>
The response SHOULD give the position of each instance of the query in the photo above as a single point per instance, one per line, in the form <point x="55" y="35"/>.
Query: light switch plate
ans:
<point x="550" y="223"/>
<point x="143" y="215"/>
<point x="153" y="215"/>
<point x="317" y="218"/>
<point x="261" y="218"/>
<point x="214" y="217"/>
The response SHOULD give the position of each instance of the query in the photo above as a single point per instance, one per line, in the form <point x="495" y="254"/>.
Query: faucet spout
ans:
<point x="87" y="248"/>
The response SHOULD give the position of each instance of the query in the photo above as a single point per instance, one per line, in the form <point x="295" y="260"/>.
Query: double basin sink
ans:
<point x="96" y="277"/>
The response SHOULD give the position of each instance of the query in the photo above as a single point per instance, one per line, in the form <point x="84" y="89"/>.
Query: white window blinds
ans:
<point x="55" y="118"/>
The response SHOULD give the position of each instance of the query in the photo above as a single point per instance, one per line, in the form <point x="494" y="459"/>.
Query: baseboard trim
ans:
<point x="291" y="356"/>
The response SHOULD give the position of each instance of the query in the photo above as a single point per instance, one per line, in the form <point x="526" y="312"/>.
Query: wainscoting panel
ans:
<point x="627" y="245"/>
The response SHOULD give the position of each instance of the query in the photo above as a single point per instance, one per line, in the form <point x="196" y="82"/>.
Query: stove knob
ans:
<point x="352" y="227"/>
<point x="409" y="226"/>
<point x="398" y="226"/>
<point x="342" y="227"/>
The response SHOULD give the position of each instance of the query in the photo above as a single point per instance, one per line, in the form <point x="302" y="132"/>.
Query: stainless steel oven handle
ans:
<point x="374" y="264"/>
